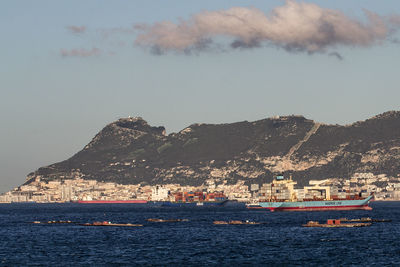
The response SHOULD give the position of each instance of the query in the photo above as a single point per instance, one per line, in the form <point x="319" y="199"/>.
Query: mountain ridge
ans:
<point x="130" y="151"/>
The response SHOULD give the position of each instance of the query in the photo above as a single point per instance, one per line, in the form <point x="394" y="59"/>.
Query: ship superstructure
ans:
<point x="198" y="198"/>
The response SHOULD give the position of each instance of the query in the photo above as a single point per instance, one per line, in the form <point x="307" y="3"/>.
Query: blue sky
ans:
<point x="52" y="105"/>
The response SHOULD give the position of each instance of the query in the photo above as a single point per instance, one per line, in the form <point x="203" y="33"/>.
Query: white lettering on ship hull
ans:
<point x="333" y="203"/>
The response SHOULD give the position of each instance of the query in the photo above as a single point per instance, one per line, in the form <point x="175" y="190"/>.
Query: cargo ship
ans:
<point x="355" y="202"/>
<point x="196" y="199"/>
<point x="194" y="204"/>
<point x="322" y="205"/>
<point x="133" y="201"/>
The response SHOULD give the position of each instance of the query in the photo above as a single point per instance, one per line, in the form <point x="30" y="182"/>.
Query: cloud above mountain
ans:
<point x="295" y="27"/>
<point x="76" y="29"/>
<point x="80" y="52"/>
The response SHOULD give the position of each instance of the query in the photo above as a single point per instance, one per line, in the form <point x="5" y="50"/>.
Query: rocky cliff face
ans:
<point x="129" y="151"/>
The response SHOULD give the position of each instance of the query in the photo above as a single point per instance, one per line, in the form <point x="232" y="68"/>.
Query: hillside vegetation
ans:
<point x="129" y="151"/>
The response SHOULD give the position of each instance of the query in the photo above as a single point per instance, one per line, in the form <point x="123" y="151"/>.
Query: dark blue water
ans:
<point x="281" y="241"/>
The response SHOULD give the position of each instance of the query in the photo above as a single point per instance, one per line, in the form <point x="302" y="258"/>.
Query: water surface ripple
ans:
<point x="281" y="241"/>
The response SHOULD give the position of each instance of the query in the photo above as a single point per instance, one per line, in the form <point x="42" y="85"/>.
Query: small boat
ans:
<point x="367" y="219"/>
<point x="167" y="220"/>
<point x="105" y="223"/>
<point x="235" y="222"/>
<point x="52" y="222"/>
<point x="220" y="222"/>
<point x="335" y="223"/>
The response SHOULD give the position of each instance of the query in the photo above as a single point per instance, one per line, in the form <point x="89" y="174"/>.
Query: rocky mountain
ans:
<point x="130" y="151"/>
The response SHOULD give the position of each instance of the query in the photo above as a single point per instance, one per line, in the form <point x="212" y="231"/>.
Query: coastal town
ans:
<point x="71" y="190"/>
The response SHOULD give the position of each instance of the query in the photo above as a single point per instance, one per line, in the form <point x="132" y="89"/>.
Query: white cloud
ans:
<point x="81" y="52"/>
<point x="76" y="29"/>
<point x="295" y="26"/>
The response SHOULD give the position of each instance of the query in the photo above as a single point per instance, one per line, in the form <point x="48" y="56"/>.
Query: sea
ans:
<point x="279" y="241"/>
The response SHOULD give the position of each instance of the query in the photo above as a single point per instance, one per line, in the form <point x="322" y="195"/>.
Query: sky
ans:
<point x="68" y="68"/>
